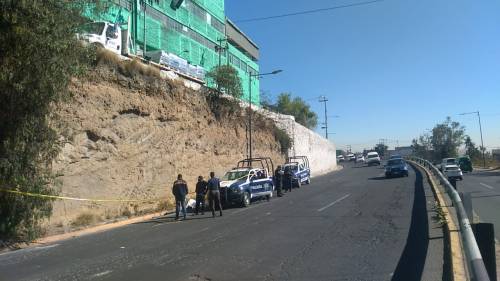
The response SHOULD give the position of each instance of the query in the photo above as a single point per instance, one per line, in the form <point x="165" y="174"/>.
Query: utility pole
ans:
<point x="144" y="29"/>
<point x="348" y="148"/>
<point x="250" y="76"/>
<point x="323" y="99"/>
<point x="481" y="132"/>
<point x="220" y="49"/>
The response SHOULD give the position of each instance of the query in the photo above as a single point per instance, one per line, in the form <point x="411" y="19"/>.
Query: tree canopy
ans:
<point x="39" y="54"/>
<point x="298" y="108"/>
<point x="443" y="141"/>
<point x="226" y="79"/>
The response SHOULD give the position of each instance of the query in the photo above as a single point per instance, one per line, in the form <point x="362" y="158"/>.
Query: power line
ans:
<point x="307" y="12"/>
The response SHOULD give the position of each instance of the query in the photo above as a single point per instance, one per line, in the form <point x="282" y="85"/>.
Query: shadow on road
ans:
<point x="167" y="219"/>
<point x="485" y="174"/>
<point x="411" y="264"/>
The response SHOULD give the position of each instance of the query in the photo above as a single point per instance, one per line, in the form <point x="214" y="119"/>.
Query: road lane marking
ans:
<point x="101" y="274"/>
<point x="333" y="203"/>
<point x="487" y="186"/>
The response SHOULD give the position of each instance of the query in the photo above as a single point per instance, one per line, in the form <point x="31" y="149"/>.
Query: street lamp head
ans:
<point x="277" y="71"/>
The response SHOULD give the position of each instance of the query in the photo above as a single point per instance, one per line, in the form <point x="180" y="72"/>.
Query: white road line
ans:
<point x="487" y="186"/>
<point x="102" y="273"/>
<point x="334" y="202"/>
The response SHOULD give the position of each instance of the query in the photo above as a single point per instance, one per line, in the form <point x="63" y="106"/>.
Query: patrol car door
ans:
<point x="256" y="185"/>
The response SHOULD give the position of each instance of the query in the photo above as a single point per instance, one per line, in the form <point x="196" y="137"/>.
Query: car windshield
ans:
<point x="372" y="156"/>
<point x="93" y="28"/>
<point x="395" y="162"/>
<point x="449" y="161"/>
<point x="234" y="175"/>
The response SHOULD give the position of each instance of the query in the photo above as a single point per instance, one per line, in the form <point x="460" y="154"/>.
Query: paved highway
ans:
<point x="349" y="225"/>
<point x="484" y="187"/>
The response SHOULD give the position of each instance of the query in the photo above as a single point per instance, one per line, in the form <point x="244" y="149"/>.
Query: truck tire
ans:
<point x="245" y="200"/>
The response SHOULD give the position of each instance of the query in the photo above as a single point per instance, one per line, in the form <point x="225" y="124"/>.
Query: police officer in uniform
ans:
<point x="214" y="193"/>
<point x="287" y="179"/>
<point x="201" y="191"/>
<point x="278" y="181"/>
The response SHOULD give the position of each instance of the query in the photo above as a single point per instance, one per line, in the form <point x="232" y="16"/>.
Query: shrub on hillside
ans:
<point x="39" y="54"/>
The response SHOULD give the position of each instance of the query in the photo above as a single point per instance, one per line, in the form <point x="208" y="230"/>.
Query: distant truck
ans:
<point x="299" y="165"/>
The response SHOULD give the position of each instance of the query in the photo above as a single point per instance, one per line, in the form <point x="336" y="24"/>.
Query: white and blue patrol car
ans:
<point x="299" y="166"/>
<point x="244" y="183"/>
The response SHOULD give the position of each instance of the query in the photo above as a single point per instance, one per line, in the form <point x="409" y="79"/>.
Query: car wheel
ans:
<point x="246" y="200"/>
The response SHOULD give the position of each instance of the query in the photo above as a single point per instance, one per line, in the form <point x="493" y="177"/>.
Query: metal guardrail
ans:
<point x="477" y="269"/>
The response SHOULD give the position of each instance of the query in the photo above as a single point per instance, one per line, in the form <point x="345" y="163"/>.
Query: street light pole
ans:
<point x="482" y="143"/>
<point x="251" y="75"/>
<point x="480" y="131"/>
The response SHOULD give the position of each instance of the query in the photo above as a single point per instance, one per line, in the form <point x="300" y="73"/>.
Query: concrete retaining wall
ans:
<point x="321" y="152"/>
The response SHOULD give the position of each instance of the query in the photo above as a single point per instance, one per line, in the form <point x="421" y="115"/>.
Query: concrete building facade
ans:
<point x="195" y="31"/>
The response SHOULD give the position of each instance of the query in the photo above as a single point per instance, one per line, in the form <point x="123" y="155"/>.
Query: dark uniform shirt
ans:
<point x="180" y="189"/>
<point x="213" y="184"/>
<point x="201" y="187"/>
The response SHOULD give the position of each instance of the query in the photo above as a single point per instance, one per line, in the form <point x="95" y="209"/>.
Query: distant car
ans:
<point x="351" y="157"/>
<point x="465" y="163"/>
<point x="360" y="159"/>
<point x="396" y="167"/>
<point x="340" y="158"/>
<point x="396" y="156"/>
<point x="372" y="158"/>
<point x="453" y="172"/>
<point x="447" y="161"/>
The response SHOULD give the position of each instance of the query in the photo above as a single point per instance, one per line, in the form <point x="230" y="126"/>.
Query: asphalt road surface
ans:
<point x="484" y="187"/>
<point x="349" y="225"/>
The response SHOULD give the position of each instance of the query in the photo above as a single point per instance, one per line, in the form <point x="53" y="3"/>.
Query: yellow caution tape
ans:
<point x="76" y="199"/>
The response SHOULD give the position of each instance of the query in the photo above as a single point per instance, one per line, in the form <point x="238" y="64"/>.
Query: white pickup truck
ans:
<point x="445" y="162"/>
<point x="103" y="34"/>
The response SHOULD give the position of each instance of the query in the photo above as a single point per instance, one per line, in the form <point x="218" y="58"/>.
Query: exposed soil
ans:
<point x="128" y="138"/>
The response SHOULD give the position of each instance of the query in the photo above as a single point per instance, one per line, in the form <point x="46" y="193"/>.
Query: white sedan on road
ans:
<point x="453" y="172"/>
<point x="360" y="159"/>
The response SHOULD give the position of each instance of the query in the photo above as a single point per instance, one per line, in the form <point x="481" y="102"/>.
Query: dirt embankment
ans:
<point x="128" y="138"/>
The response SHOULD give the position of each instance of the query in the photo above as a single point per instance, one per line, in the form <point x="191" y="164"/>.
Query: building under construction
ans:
<point x="195" y="31"/>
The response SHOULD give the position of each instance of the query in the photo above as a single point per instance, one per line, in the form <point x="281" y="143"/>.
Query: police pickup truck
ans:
<point x="301" y="172"/>
<point x="251" y="179"/>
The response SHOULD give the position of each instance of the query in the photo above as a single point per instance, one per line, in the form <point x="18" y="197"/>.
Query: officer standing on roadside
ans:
<point x="278" y="181"/>
<point x="180" y="190"/>
<point x="201" y="191"/>
<point x="214" y="193"/>
<point x="287" y="179"/>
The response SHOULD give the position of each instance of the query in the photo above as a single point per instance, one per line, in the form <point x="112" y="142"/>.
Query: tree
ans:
<point x="422" y="146"/>
<point x="381" y="149"/>
<point x="446" y="138"/>
<point x="470" y="148"/>
<point x="39" y="54"/>
<point x="297" y="108"/>
<point x="226" y="79"/>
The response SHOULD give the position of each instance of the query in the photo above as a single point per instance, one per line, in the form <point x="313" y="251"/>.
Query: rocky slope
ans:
<point x="128" y="138"/>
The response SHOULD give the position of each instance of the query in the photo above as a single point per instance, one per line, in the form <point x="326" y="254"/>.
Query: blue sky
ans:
<point x="391" y="69"/>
